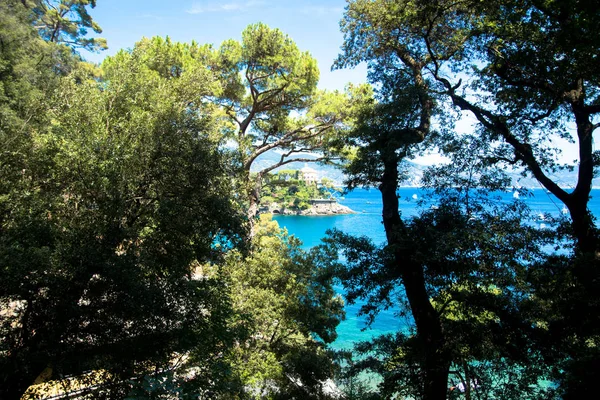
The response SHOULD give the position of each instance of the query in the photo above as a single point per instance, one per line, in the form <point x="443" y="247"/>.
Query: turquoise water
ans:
<point x="367" y="221"/>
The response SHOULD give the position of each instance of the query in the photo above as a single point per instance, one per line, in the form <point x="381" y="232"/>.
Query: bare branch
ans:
<point x="291" y="160"/>
<point x="286" y="139"/>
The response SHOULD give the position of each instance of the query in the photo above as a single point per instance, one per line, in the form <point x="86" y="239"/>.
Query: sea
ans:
<point x="367" y="222"/>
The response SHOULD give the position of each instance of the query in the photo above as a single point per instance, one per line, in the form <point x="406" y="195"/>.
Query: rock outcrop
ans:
<point x="317" y="207"/>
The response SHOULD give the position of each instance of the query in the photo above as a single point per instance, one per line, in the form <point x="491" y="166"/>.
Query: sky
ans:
<point x="312" y="24"/>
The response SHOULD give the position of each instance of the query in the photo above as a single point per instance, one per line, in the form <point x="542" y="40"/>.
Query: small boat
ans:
<point x="515" y="195"/>
<point x="564" y="210"/>
<point x="415" y="197"/>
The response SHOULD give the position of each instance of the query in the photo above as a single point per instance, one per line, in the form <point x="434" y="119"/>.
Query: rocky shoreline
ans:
<point x="318" y="207"/>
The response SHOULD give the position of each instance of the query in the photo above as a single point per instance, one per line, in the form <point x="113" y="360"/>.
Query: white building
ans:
<point x="309" y="175"/>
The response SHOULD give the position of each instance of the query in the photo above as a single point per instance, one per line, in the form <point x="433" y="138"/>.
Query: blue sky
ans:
<point x="312" y="24"/>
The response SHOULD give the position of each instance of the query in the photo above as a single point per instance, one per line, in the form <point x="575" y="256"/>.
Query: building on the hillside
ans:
<point x="308" y="175"/>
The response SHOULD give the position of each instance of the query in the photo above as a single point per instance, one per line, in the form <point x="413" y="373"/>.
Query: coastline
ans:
<point x="318" y="207"/>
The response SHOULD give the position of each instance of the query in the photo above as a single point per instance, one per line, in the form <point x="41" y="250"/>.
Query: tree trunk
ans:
<point x="253" y="203"/>
<point x="583" y="225"/>
<point x="436" y="364"/>
<point x="467" y="381"/>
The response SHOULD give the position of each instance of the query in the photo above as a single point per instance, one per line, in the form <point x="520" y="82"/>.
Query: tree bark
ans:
<point x="437" y="361"/>
<point x="583" y="225"/>
<point x="254" y="190"/>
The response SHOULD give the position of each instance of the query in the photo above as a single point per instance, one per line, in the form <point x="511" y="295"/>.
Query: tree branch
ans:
<point x="287" y="139"/>
<point x="291" y="160"/>
<point x="494" y="123"/>
<point x="592" y="109"/>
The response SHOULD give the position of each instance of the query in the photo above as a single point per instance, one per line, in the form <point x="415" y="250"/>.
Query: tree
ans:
<point x="544" y="93"/>
<point x="271" y="100"/>
<point x="66" y="22"/>
<point x="531" y="69"/>
<point x="290" y="310"/>
<point x="530" y="73"/>
<point x="27" y="73"/>
<point x="386" y="133"/>
<point x="476" y="258"/>
<point x="429" y="330"/>
<point x="30" y="69"/>
<point x="124" y="193"/>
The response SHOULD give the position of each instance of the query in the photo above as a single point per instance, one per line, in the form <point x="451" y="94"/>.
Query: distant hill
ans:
<point x="565" y="179"/>
<point x="323" y="170"/>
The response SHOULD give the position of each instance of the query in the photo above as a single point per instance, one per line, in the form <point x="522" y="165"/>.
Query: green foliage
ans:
<point x="264" y="78"/>
<point x="290" y="311"/>
<point x="477" y="268"/>
<point x="119" y="231"/>
<point x="532" y="60"/>
<point x="467" y="247"/>
<point x="526" y="71"/>
<point x="270" y="100"/>
<point x="289" y="190"/>
<point x="116" y="193"/>
<point x="66" y="22"/>
<point x="124" y="192"/>
<point x="29" y="68"/>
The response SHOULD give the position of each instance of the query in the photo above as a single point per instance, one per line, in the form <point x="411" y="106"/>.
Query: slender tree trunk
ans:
<point x="436" y="365"/>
